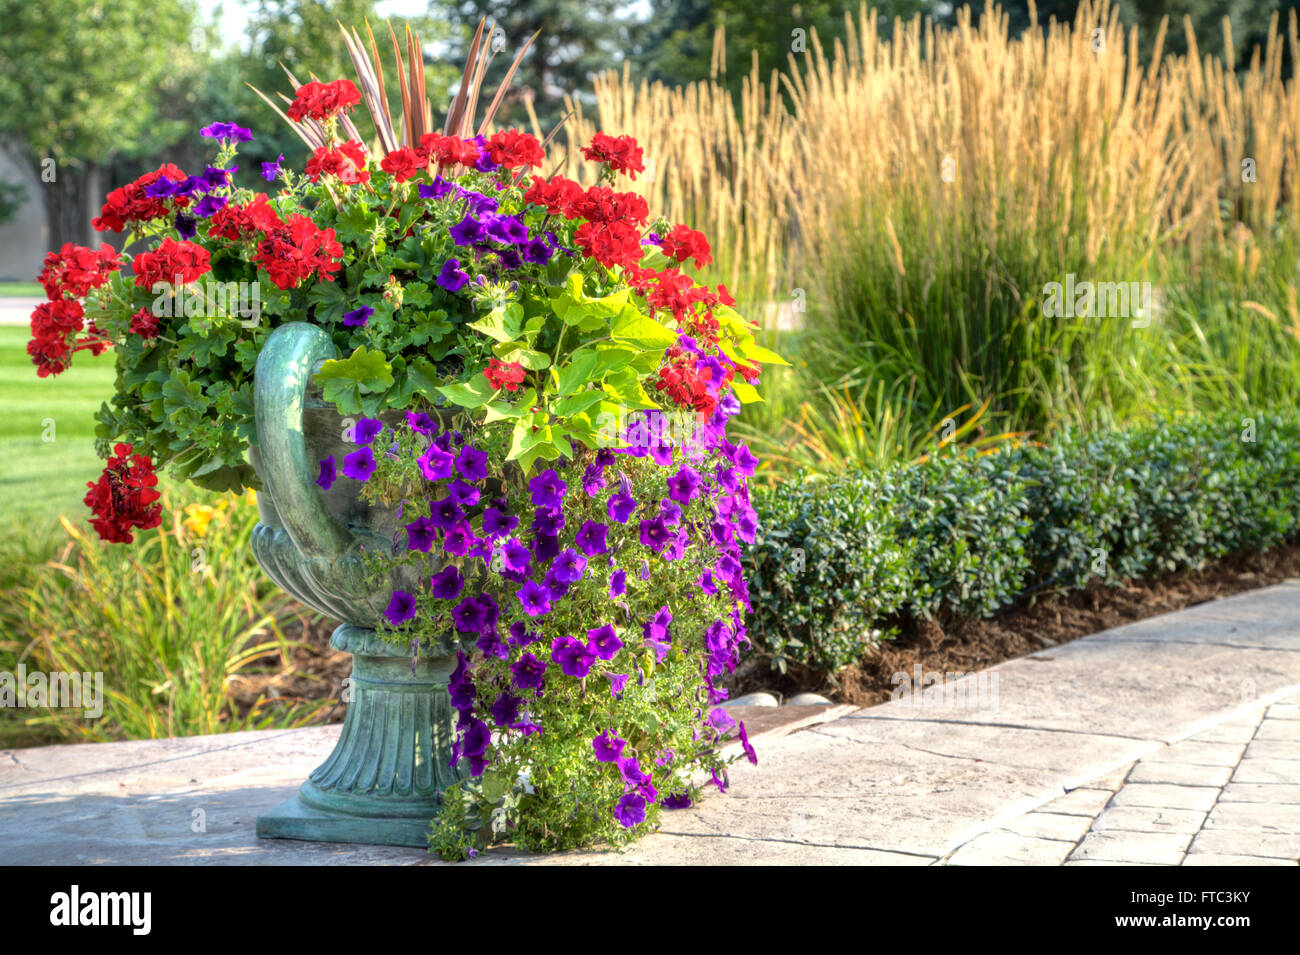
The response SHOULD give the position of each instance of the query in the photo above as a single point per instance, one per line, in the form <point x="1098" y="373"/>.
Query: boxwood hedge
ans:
<point x="839" y="563"/>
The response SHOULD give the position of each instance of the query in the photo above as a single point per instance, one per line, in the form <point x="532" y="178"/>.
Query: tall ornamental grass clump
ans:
<point x="909" y="193"/>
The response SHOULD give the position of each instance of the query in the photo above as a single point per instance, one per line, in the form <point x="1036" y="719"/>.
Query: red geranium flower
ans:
<point x="510" y="148"/>
<point x="507" y="375"/>
<point x="683" y="243"/>
<point x="449" y="150"/>
<point x="620" y="154"/>
<point x="404" y="163"/>
<point x="616" y="243"/>
<point x="53" y="326"/>
<point x="346" y="162"/>
<point x="320" y="101"/>
<point x="145" y="324"/>
<point x="237" y="222"/>
<point x="74" y="270"/>
<point x="124" y="497"/>
<point x="130" y="204"/>
<point x="169" y="262"/>
<point x="556" y="195"/>
<point x="297" y="251"/>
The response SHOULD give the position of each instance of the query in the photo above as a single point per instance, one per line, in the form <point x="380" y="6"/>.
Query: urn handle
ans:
<point x="284" y="369"/>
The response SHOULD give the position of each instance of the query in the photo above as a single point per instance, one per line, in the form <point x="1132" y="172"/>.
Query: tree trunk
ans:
<point x="71" y="201"/>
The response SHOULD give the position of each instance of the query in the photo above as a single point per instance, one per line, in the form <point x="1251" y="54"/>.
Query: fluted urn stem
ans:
<point x="383" y="781"/>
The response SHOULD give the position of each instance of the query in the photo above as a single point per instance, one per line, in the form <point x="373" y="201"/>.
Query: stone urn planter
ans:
<point x="383" y="781"/>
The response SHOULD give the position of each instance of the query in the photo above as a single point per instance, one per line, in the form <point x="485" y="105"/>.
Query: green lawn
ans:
<point x="41" y="478"/>
<point x="21" y="290"/>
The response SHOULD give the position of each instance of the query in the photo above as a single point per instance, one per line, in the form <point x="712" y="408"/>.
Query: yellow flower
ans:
<point x="198" y="517"/>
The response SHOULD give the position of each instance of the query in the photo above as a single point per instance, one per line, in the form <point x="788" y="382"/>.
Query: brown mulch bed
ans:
<point x="312" y="672"/>
<point x="966" y="645"/>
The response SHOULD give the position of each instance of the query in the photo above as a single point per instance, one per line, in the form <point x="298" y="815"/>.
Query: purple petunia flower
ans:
<point x="721" y="720"/>
<point x="435" y="463"/>
<point x="548" y="521"/>
<point x="328" y="473"/>
<point x="538" y="252"/>
<point x="608" y="747"/>
<point x="360" y="464"/>
<point x="437" y="190"/>
<point x="187" y="227"/>
<point x="472" y="463"/>
<point x="745" y="745"/>
<point x="535" y="598"/>
<point x="516" y="556"/>
<point x="400" y="608"/>
<point x="365" y="430"/>
<point x="590" y="538"/>
<point x="465" y="495"/>
<point x="447" y="583"/>
<point x="546" y="547"/>
<point x="621" y="507"/>
<point x="272" y="169"/>
<point x="506" y="709"/>
<point x="684" y="486"/>
<point x="616" y="683"/>
<point x="460" y="540"/>
<point x="574" y="658"/>
<point x="209" y="205"/>
<point x="655" y="534"/>
<point x="680" y="800"/>
<point x="228" y="132"/>
<point x="604" y="642"/>
<point x="468" y="615"/>
<point x="529" y="672"/>
<point x="214" y="177"/>
<point x="466" y="232"/>
<point x="547" y="489"/>
<point x="593" y="480"/>
<point x="358" y="316"/>
<point x="569" y="566"/>
<point x="445" y="513"/>
<point x="618" y="583"/>
<point x="420" y="534"/>
<point x="630" y="810"/>
<point x="631" y="772"/>
<point x="497" y="523"/>
<point x="452" y="277"/>
<point x="421" y="422"/>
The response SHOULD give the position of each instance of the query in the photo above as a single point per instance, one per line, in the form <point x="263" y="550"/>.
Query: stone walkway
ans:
<point x="1229" y="795"/>
<point x="17" y="311"/>
<point x="1171" y="740"/>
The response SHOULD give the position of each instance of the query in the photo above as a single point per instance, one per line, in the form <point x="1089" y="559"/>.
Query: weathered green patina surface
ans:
<point x="383" y="781"/>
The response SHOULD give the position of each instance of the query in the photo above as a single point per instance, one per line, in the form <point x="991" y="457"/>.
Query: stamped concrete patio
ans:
<point x="1172" y="741"/>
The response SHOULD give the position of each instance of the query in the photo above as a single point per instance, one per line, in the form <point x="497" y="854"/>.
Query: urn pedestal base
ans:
<point x="383" y="782"/>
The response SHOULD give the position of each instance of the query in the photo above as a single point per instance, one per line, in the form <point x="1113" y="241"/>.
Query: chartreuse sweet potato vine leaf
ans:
<point x="347" y="381"/>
